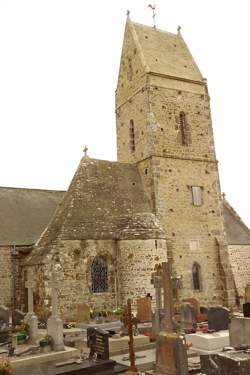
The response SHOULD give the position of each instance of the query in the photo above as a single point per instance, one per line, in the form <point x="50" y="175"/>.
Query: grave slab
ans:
<point x="208" y="342"/>
<point x="239" y="331"/>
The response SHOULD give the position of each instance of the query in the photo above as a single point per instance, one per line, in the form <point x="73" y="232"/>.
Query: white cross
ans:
<point x="30" y="284"/>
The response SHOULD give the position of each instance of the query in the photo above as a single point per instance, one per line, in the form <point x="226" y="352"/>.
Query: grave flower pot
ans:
<point x="21" y="337"/>
<point x="5" y="367"/>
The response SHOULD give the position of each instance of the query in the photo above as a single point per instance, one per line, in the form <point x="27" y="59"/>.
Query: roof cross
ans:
<point x="85" y="150"/>
<point x="154" y="14"/>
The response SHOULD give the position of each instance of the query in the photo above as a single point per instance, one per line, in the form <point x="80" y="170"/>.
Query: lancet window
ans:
<point x="99" y="275"/>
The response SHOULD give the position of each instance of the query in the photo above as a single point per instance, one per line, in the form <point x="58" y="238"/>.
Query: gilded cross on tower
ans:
<point x="85" y="150"/>
<point x="154" y="14"/>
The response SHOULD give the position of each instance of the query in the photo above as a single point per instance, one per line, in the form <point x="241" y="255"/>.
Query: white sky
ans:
<point x="59" y="63"/>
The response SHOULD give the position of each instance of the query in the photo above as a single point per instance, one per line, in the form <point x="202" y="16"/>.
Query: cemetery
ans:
<point x="116" y="281"/>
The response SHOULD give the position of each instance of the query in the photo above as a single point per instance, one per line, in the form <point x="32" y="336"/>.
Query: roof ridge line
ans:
<point x="31" y="189"/>
<point x="237" y="217"/>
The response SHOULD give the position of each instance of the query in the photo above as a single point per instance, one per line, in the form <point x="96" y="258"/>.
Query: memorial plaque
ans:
<point x="246" y="310"/>
<point x="98" y="342"/>
<point x="83" y="313"/>
<point x="144" y="311"/>
<point x="218" y="318"/>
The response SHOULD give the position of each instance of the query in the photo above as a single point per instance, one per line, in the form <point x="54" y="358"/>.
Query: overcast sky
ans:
<point x="58" y="71"/>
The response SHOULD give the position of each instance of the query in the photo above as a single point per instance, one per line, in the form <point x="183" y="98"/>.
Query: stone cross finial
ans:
<point x="30" y="284"/>
<point x="154" y="14"/>
<point x="85" y="150"/>
<point x="128" y="13"/>
<point x="179" y="29"/>
<point x="223" y="196"/>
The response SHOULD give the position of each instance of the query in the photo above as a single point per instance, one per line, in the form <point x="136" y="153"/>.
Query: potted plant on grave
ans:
<point x="45" y="343"/>
<point x="22" y="332"/>
<point x="5" y="367"/>
<point x="118" y="312"/>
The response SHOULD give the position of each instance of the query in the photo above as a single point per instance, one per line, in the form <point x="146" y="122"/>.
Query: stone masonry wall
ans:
<point x="240" y="260"/>
<point x="136" y="262"/>
<point x="75" y="258"/>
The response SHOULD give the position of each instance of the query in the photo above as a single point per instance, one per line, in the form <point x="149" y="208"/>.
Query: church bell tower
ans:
<point x="164" y="126"/>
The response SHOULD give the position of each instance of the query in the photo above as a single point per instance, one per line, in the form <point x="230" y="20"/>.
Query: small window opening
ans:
<point x="197" y="195"/>
<point x="183" y="128"/>
<point x="196" y="273"/>
<point x="132" y="136"/>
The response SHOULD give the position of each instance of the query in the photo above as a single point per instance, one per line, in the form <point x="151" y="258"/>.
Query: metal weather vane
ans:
<point x="153" y="7"/>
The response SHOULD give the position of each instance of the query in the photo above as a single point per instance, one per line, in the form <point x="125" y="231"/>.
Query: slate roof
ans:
<point x="105" y="200"/>
<point x="237" y="232"/>
<point x="165" y="53"/>
<point x="25" y="213"/>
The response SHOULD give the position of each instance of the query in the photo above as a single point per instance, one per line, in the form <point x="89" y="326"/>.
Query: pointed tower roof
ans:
<point x="164" y="53"/>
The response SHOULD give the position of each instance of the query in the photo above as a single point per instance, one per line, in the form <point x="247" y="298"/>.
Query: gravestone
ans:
<point x="188" y="319"/>
<point x="98" y="342"/>
<point x="4" y="314"/>
<point x="195" y="304"/>
<point x="218" y="318"/>
<point x="247" y="293"/>
<point x="246" y="310"/>
<point x="83" y="313"/>
<point x="144" y="312"/>
<point x="239" y="331"/>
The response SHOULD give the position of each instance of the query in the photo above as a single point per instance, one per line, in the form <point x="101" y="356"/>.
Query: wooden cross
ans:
<point x="154" y="14"/>
<point x="129" y="321"/>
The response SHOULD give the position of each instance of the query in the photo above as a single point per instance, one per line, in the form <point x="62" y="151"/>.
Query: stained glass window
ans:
<point x="99" y="275"/>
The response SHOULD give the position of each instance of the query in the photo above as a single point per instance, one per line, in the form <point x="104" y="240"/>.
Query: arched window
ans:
<point x="196" y="273"/>
<point x="99" y="275"/>
<point x="183" y="128"/>
<point x="132" y="136"/>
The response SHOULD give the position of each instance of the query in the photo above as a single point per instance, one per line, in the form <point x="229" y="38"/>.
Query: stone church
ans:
<point x="117" y="220"/>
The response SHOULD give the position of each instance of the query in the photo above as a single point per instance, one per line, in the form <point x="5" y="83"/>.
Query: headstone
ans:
<point x="55" y="324"/>
<point x="144" y="312"/>
<point x="83" y="313"/>
<point x="218" y="318"/>
<point x="4" y="314"/>
<point x="31" y="318"/>
<point x="239" y="331"/>
<point x="246" y="310"/>
<point x="188" y="319"/>
<point x="98" y="342"/>
<point x="247" y="293"/>
<point x="195" y="304"/>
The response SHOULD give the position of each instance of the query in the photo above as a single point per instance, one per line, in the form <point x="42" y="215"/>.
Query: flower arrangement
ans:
<point x="22" y="331"/>
<point x="45" y="341"/>
<point x="5" y="367"/>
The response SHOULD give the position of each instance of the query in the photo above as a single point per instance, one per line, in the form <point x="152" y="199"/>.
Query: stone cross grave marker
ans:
<point x="30" y="317"/>
<point x="156" y="280"/>
<point x="30" y="285"/>
<point x="98" y="342"/>
<point x="144" y="312"/>
<point x="218" y="318"/>
<point x="55" y="324"/>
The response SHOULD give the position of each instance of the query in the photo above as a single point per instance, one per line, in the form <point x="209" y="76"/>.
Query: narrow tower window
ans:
<point x="196" y="273"/>
<point x="99" y="275"/>
<point x="183" y="128"/>
<point x="132" y="136"/>
<point x="197" y="195"/>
